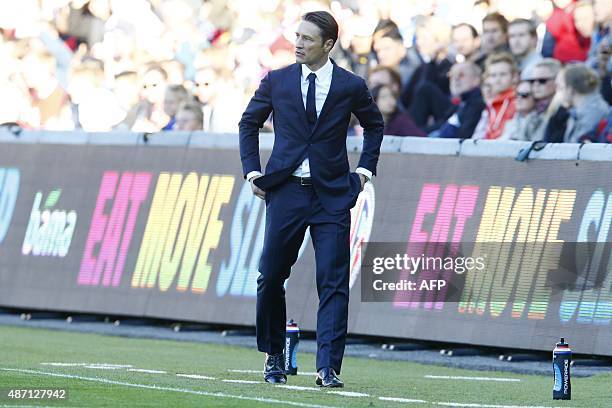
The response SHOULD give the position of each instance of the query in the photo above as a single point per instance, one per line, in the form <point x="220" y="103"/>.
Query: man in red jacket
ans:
<point x="501" y="75"/>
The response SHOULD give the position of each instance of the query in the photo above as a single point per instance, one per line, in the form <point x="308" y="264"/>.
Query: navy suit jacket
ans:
<point x="280" y="93"/>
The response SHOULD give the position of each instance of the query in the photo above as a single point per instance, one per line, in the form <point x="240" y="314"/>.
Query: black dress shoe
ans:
<point x="274" y="368"/>
<point x="326" y="377"/>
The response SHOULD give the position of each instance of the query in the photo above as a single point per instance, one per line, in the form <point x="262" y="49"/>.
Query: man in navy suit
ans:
<point x="307" y="182"/>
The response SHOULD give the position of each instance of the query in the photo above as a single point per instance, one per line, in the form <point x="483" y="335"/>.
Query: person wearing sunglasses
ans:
<point x="525" y="120"/>
<point x="541" y="80"/>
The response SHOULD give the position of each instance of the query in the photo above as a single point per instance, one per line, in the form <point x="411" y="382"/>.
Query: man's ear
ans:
<point x="328" y="44"/>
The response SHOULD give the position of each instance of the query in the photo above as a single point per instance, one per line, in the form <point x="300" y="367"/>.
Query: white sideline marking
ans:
<point x="102" y="367"/>
<point x="87" y="364"/>
<point x="261" y="372"/>
<point x="142" y="370"/>
<point x="459" y="404"/>
<point x="349" y="393"/>
<point x="157" y="387"/>
<point x="458" y="377"/>
<point x="28" y="406"/>
<point x="243" y="381"/>
<point x="401" y="399"/>
<point x="299" y="387"/>
<point x="196" y="376"/>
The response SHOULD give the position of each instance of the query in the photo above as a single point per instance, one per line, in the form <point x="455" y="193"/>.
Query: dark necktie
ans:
<point x="311" y="107"/>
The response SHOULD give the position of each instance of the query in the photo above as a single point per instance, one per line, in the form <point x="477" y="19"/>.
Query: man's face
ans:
<point x="382" y="77"/>
<point x="462" y="79"/>
<point x="542" y="83"/>
<point x="172" y="100"/>
<point x="309" y="46"/>
<point x="500" y="77"/>
<point x="565" y="94"/>
<point x="187" y="121"/>
<point x="389" y="51"/>
<point x="386" y="101"/>
<point x="520" y="40"/>
<point x="602" y="10"/>
<point x="524" y="100"/>
<point x="205" y="85"/>
<point x="153" y="87"/>
<point x="463" y="41"/>
<point x="492" y="36"/>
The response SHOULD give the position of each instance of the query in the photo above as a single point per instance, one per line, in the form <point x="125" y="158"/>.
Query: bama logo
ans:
<point x="50" y="230"/>
<point x="9" y="187"/>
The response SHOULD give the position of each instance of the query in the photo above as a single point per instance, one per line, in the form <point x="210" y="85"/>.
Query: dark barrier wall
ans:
<point x="175" y="232"/>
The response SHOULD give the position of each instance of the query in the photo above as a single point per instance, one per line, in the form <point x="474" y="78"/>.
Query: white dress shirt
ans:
<point x="322" y="85"/>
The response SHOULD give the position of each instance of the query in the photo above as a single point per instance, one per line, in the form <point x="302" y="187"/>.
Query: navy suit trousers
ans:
<point x="290" y="209"/>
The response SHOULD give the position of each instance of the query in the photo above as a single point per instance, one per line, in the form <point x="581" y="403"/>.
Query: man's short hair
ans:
<point x="581" y="78"/>
<point x="326" y="23"/>
<point x="393" y="74"/>
<point x="387" y="29"/>
<point x="472" y="66"/>
<point x="473" y="30"/>
<point x="499" y="57"/>
<point x="179" y="90"/>
<point x="552" y="64"/>
<point x="193" y="107"/>
<point x="497" y="18"/>
<point x="530" y="24"/>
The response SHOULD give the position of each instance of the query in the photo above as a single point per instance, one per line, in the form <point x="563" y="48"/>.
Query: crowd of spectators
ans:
<point x="508" y="69"/>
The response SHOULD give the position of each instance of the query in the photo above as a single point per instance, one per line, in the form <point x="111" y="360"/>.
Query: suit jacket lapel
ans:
<point x="295" y="84"/>
<point x="337" y="79"/>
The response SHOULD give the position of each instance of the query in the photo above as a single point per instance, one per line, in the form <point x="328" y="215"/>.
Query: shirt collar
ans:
<point x="322" y="73"/>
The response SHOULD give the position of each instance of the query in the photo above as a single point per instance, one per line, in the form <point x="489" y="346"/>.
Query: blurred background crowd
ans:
<point x="484" y="69"/>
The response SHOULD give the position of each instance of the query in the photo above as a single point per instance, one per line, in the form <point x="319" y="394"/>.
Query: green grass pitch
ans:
<point x="25" y="355"/>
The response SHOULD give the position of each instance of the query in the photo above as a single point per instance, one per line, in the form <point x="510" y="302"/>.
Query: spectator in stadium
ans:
<point x="221" y="102"/>
<point x="126" y="90"/>
<point x="525" y="120"/>
<point x="49" y="101"/>
<point x="602" y="12"/>
<point x="150" y="116"/>
<point x="502" y="75"/>
<point x="391" y="52"/>
<point x="582" y="106"/>
<point x="465" y="42"/>
<point x="204" y="90"/>
<point x="603" y="66"/>
<point x="175" y="95"/>
<point x="397" y="123"/>
<point x="542" y="81"/>
<point x="381" y="75"/>
<point x="602" y="133"/>
<point x="432" y="42"/>
<point x="563" y="40"/>
<point x="189" y="117"/>
<point x="464" y="111"/>
<point x="523" y="40"/>
<point x="360" y="53"/>
<point x="494" y="38"/>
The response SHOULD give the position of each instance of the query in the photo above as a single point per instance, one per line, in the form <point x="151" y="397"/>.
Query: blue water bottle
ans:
<point x="292" y="339"/>
<point x="562" y="357"/>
